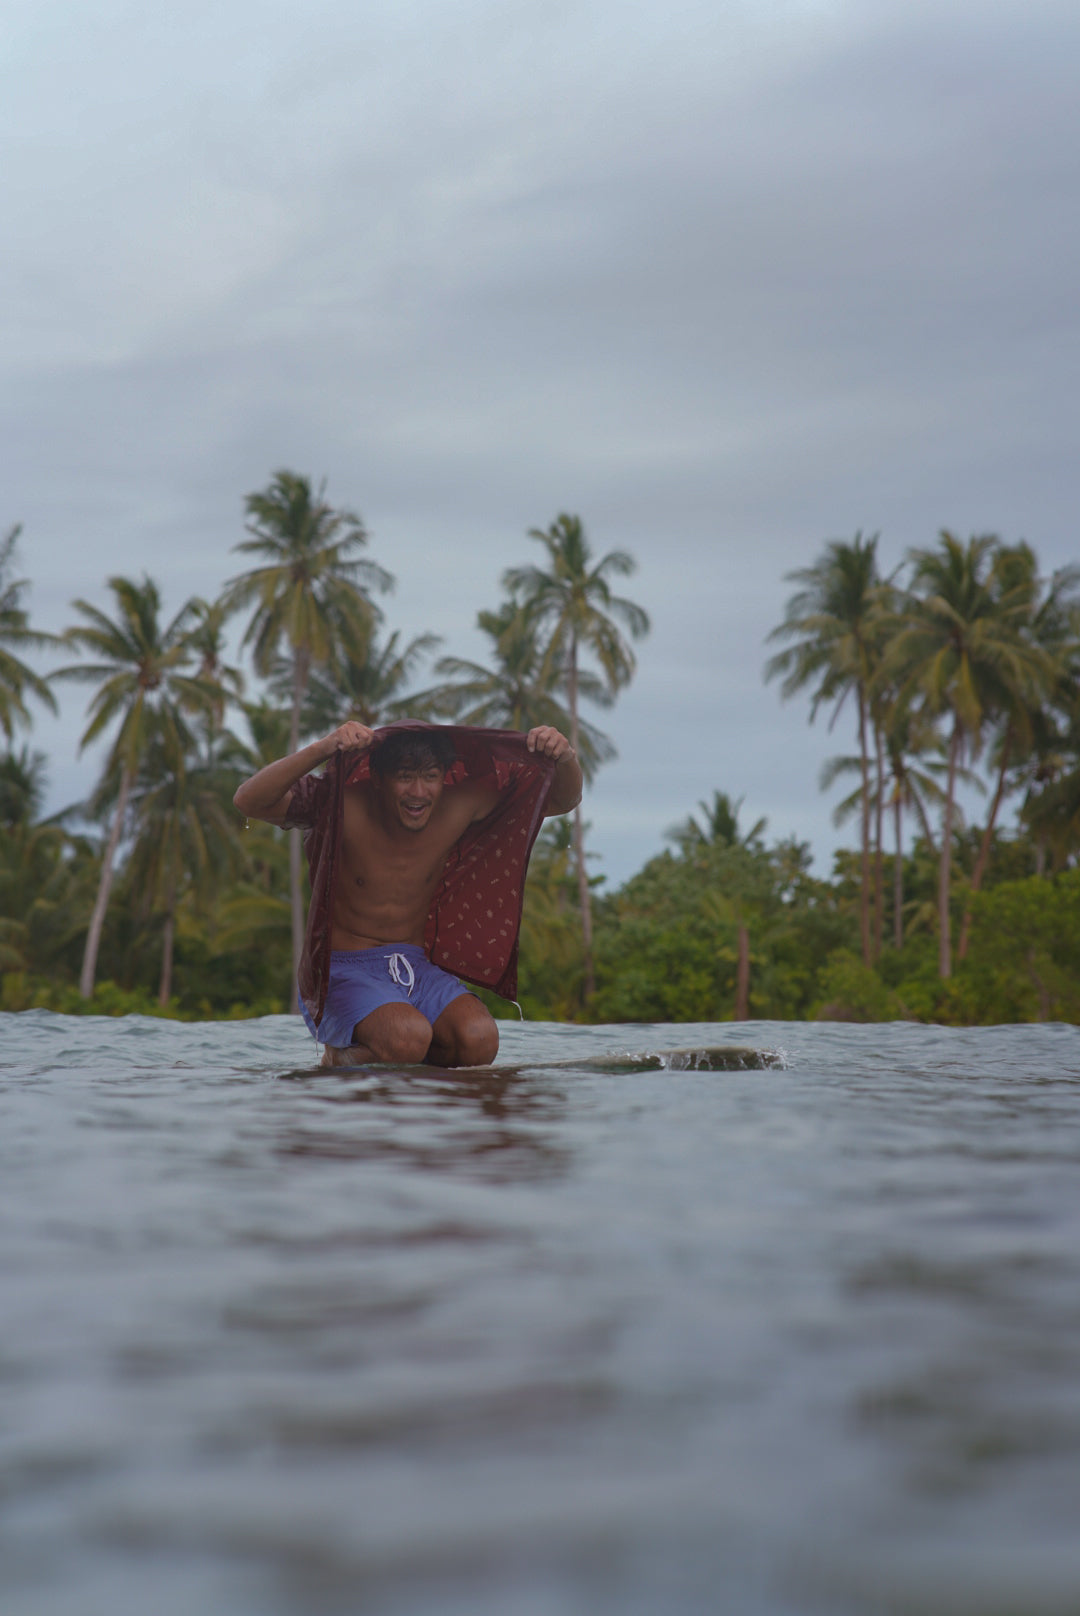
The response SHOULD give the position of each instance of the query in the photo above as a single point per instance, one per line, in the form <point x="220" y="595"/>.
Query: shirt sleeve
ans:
<point x="307" y="801"/>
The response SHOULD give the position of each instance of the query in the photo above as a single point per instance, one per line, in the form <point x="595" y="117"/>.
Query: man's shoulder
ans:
<point x="478" y="797"/>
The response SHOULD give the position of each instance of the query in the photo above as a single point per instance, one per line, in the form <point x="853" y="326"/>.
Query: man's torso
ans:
<point x="385" y="882"/>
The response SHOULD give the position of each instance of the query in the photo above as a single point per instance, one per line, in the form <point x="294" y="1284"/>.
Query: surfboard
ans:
<point x="702" y="1058"/>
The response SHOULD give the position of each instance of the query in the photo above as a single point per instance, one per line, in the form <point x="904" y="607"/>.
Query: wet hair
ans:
<point x="408" y="749"/>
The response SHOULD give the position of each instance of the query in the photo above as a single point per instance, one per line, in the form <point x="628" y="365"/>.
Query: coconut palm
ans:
<point x="1047" y="618"/>
<point x="910" y="784"/>
<point x="141" y="671"/>
<point x="184" y="837"/>
<point x="43" y="871"/>
<point x="311" y="595"/>
<point x="17" y="681"/>
<point x="915" y="753"/>
<point x="254" y="911"/>
<point x="205" y="626"/>
<point x="963" y="650"/>
<point x="835" y="621"/>
<point x="515" y="691"/>
<point x="1052" y="806"/>
<point x="550" y="934"/>
<point x="719" y="829"/>
<point x="574" y="603"/>
<point x="22" y="786"/>
<point x="366" y="684"/>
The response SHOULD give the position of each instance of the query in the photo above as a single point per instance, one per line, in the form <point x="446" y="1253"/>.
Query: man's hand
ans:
<point x="548" y="742"/>
<point x="267" y="795"/>
<point x="350" y="737"/>
<point x="565" y="790"/>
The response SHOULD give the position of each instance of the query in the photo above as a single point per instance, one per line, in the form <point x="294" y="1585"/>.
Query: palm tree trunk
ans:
<point x="584" y="895"/>
<point x="165" y="984"/>
<point x="742" y="975"/>
<point x="945" y="861"/>
<point x="920" y="808"/>
<point x="97" y="918"/>
<point x="301" y="661"/>
<point x="864" y="874"/>
<point x="879" y="851"/>
<point x="898" y="876"/>
<point x="984" y="846"/>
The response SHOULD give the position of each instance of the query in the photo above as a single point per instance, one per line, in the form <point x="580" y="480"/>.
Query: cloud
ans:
<point x="726" y="282"/>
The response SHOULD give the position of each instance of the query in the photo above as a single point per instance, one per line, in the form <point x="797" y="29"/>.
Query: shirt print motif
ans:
<point x="474" y="919"/>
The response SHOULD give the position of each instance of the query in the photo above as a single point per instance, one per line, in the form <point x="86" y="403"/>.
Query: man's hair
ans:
<point x="412" y="749"/>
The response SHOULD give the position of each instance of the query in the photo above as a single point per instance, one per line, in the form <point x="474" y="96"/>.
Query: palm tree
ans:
<point x="184" y="837"/>
<point x="962" y="648"/>
<point x="22" y="786"/>
<point x="1052" y="807"/>
<point x="834" y="619"/>
<point x="43" y="870"/>
<point x="141" y="673"/>
<point x="255" y="912"/>
<point x="719" y="829"/>
<point x="310" y="593"/>
<point x="515" y="691"/>
<point x="1023" y="716"/>
<point x="550" y="950"/>
<point x="909" y="736"/>
<point x="909" y="786"/>
<point x="574" y="602"/>
<point x="16" y="679"/>
<point x="366" y="684"/>
<point x="205" y="627"/>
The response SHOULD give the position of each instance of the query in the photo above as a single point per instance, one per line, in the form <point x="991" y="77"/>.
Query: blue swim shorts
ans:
<point x="363" y="979"/>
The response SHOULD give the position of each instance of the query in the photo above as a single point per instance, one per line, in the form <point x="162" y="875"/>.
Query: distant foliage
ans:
<point x="962" y="666"/>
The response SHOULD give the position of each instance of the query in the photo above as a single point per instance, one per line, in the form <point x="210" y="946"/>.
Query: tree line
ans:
<point x="971" y="658"/>
<point x="957" y="675"/>
<point x="168" y="700"/>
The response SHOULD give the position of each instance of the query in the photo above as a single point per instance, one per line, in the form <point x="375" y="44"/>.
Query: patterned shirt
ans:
<point x="475" y="914"/>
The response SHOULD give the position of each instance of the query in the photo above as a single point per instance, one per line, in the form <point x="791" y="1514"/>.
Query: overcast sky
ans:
<point x="726" y="280"/>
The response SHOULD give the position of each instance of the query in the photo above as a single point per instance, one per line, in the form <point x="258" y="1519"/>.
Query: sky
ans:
<point x="727" y="281"/>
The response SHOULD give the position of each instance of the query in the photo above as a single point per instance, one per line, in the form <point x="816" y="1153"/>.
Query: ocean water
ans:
<point x="579" y="1337"/>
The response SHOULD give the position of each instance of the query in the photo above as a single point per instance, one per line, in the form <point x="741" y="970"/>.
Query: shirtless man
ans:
<point x="387" y="1001"/>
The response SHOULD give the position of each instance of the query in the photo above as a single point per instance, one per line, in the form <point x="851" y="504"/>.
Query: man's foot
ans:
<point x="355" y="1055"/>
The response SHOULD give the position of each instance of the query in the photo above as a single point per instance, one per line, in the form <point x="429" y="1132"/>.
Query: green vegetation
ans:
<point x="961" y="667"/>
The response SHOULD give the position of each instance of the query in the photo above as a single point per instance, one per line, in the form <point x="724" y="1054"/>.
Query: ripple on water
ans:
<point x="602" y="1330"/>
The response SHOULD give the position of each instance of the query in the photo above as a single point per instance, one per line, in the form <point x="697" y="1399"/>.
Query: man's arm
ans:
<point x="267" y="794"/>
<point x="565" y="790"/>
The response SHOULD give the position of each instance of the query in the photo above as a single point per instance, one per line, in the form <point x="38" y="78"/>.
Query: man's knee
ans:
<point x="395" y="1032"/>
<point x="479" y="1043"/>
<point x="465" y="1034"/>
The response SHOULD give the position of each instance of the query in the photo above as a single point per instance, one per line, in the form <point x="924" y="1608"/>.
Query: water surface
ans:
<point x="556" y="1341"/>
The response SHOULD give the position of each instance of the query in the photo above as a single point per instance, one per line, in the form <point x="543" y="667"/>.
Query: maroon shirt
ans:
<point x="475" y="915"/>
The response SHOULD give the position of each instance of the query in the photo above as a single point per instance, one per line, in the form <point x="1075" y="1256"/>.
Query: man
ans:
<point x="395" y="822"/>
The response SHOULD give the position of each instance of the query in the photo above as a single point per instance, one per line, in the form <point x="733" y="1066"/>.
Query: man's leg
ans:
<point x="393" y="1032"/>
<point x="466" y="1034"/>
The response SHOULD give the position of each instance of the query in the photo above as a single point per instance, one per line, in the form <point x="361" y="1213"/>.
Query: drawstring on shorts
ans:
<point x="401" y="972"/>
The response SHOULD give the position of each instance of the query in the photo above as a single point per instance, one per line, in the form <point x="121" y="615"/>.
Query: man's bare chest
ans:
<point x="382" y="864"/>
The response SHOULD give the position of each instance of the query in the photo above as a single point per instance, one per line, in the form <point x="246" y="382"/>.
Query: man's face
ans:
<point x="411" y="794"/>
